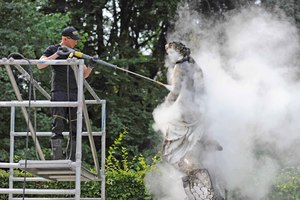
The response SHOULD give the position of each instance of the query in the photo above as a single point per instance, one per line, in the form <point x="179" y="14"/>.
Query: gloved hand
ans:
<point x="64" y="51"/>
<point x="92" y="62"/>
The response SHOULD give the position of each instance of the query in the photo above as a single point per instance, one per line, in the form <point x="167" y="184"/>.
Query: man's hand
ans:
<point x="64" y="51"/>
<point x="92" y="62"/>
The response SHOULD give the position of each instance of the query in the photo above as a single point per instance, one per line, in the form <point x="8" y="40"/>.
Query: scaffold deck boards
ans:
<point x="56" y="170"/>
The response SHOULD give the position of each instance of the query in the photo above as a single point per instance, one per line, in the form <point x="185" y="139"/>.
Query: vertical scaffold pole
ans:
<point x="79" y="129"/>
<point x="103" y="144"/>
<point x="11" y="149"/>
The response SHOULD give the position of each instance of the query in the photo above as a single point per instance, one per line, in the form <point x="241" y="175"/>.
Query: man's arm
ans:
<point x="43" y="57"/>
<point x="87" y="71"/>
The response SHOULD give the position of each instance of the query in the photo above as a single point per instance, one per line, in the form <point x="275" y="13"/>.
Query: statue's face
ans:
<point x="173" y="55"/>
<point x="176" y="51"/>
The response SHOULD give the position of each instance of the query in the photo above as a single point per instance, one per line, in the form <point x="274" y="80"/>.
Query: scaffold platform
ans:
<point x="56" y="170"/>
<point x="53" y="170"/>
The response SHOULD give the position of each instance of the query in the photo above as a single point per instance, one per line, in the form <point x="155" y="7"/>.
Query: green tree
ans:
<point x="24" y="30"/>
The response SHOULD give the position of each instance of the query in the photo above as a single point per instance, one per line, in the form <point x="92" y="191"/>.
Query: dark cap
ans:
<point x="71" y="32"/>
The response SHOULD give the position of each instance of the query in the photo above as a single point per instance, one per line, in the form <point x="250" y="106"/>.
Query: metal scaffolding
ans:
<point x="53" y="170"/>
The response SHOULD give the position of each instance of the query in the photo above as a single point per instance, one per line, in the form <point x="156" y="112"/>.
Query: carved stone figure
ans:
<point x="184" y="135"/>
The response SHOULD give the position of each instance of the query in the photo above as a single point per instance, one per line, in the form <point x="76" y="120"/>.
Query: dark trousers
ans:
<point x="63" y="115"/>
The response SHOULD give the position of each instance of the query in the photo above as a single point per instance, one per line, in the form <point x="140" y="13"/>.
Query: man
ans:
<point x="63" y="88"/>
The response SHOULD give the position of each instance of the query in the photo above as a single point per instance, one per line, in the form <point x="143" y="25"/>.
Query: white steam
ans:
<point x="250" y="64"/>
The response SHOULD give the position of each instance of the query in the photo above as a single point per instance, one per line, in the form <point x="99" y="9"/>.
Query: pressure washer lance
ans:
<point x="66" y="51"/>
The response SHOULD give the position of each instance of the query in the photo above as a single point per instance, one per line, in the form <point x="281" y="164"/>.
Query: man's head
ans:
<point x="70" y="37"/>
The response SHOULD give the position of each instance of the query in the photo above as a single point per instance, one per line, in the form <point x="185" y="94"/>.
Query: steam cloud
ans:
<point x="252" y="104"/>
